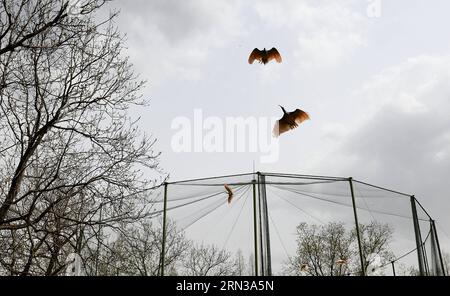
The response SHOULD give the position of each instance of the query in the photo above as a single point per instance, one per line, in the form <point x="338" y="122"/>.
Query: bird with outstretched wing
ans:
<point x="264" y="56"/>
<point x="230" y="192"/>
<point x="341" y="261"/>
<point x="290" y="120"/>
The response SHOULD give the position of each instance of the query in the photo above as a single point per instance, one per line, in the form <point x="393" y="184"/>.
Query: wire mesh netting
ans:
<point x="284" y="224"/>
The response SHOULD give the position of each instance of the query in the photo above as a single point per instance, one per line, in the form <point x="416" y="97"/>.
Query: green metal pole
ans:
<point x="418" y="236"/>
<point x="163" y="248"/>
<point x="260" y="227"/>
<point x="358" y="235"/>
<point x="255" y="227"/>
<point x="263" y="198"/>
<point x="441" y="261"/>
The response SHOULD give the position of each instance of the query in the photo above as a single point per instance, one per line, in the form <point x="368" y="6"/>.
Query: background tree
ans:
<point x="404" y="270"/>
<point x="72" y="161"/>
<point x="137" y="251"/>
<point x="208" y="260"/>
<point x="24" y="22"/>
<point x="320" y="248"/>
<point x="331" y="250"/>
<point x="241" y="267"/>
<point x="446" y="260"/>
<point x="375" y="238"/>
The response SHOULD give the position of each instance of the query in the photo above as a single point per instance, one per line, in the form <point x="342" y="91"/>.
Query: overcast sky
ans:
<point x="377" y="87"/>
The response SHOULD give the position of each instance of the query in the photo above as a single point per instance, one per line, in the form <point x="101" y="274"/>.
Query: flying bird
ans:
<point x="304" y="268"/>
<point x="290" y="120"/>
<point x="264" y="56"/>
<point x="341" y="261"/>
<point x="229" y="191"/>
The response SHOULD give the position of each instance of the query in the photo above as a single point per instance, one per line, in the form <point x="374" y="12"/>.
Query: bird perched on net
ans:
<point x="230" y="192"/>
<point x="290" y="120"/>
<point x="264" y="56"/>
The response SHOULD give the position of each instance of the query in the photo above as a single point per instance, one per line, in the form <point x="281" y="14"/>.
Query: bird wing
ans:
<point x="289" y="121"/>
<point x="274" y="54"/>
<point x="255" y="55"/>
<point x="299" y="116"/>
<point x="229" y="191"/>
<point x="281" y="126"/>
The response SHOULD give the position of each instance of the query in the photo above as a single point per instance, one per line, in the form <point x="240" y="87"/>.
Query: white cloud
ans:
<point x="412" y="86"/>
<point x="326" y="32"/>
<point x="403" y="142"/>
<point x="170" y="38"/>
<point x="174" y="38"/>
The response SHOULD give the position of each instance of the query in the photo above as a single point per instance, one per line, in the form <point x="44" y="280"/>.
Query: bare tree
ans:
<point x="446" y="261"/>
<point x="71" y="158"/>
<point x="408" y="270"/>
<point x="331" y="250"/>
<point x="251" y="265"/>
<point x="137" y="251"/>
<point x="319" y="249"/>
<point x="21" y="22"/>
<point x="241" y="266"/>
<point x="208" y="260"/>
<point x="375" y="238"/>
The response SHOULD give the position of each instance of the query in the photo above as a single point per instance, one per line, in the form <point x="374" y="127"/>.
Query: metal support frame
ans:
<point x="255" y="227"/>
<point x="435" y="236"/>
<point x="418" y="236"/>
<point x="164" y="230"/>
<point x="393" y="267"/>
<point x="267" y="268"/>
<point x="358" y="235"/>
<point x="261" y="225"/>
